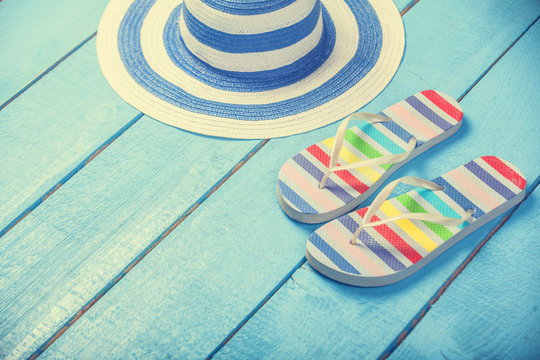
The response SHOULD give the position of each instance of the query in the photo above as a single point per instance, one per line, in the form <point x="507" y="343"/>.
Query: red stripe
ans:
<point x="505" y="171"/>
<point x="345" y="175"/>
<point x="393" y="238"/>
<point x="443" y="104"/>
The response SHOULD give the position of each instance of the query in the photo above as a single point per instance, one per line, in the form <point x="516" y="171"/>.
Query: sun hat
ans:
<point x="249" y="68"/>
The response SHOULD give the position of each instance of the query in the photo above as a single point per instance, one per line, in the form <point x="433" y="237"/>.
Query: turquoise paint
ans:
<point x="83" y="236"/>
<point x="49" y="132"/>
<point x="191" y="291"/>
<point x="36" y="34"/>
<point x="486" y="313"/>
<point x="379" y="316"/>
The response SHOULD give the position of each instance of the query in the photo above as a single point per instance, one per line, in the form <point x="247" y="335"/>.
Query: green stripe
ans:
<point x="414" y="207"/>
<point x="364" y="147"/>
<point x="381" y="139"/>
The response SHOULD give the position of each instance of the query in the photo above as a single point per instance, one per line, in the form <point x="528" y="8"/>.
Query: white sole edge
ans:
<point x="373" y="281"/>
<point x="324" y="217"/>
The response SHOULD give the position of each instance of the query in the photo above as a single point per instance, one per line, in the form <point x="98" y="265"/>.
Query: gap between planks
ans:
<point x="408" y="7"/>
<point x="149" y="248"/>
<point x="46" y="71"/>
<point x="160" y="237"/>
<point x="434" y="299"/>
<point x="410" y="327"/>
<point x="91" y="157"/>
<point x="257" y="308"/>
<point x="497" y="60"/>
<point x="69" y="175"/>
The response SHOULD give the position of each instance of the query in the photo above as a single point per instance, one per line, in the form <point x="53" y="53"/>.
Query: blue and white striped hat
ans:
<point x="249" y="68"/>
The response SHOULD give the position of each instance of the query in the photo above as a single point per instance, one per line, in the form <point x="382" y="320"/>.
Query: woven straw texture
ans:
<point x="249" y="69"/>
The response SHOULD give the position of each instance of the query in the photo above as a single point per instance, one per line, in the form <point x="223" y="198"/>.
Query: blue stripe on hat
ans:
<point x="251" y="7"/>
<point x="252" y="81"/>
<point x="268" y="41"/>
<point x="362" y="62"/>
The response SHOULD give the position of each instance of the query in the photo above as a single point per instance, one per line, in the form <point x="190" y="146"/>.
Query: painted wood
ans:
<point x="69" y="116"/>
<point x="52" y="129"/>
<point x="36" y="34"/>
<point x="365" y="323"/>
<point x="209" y="274"/>
<point x="404" y="4"/>
<point x="71" y="247"/>
<point x="489" y="311"/>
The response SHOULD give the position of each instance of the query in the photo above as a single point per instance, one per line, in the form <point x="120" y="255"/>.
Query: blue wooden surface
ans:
<point x="497" y="295"/>
<point x="377" y="317"/>
<point x="50" y="131"/>
<point x="228" y="266"/>
<point x="35" y="35"/>
<point x="217" y="268"/>
<point x="73" y="246"/>
<point x="486" y="312"/>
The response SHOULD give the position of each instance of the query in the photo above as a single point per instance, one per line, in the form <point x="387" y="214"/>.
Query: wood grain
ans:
<point x="74" y="245"/>
<point x="491" y="309"/>
<point x="52" y="130"/>
<point x="34" y="35"/>
<point x="49" y="133"/>
<point x="217" y="267"/>
<point x="367" y="323"/>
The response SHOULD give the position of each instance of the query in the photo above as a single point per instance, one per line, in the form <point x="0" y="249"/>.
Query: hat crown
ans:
<point x="249" y="38"/>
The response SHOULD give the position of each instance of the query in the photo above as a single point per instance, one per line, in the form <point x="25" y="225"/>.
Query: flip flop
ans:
<point x="332" y="177"/>
<point x="392" y="239"/>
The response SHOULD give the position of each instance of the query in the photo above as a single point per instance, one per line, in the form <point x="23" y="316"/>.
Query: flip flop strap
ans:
<point x="387" y="191"/>
<point x="338" y="143"/>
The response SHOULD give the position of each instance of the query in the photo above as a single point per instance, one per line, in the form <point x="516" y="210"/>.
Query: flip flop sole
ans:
<point x="394" y="251"/>
<point x="297" y="188"/>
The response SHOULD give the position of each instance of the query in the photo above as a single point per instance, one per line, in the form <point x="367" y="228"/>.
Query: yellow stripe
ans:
<point x="349" y="157"/>
<point x="406" y="225"/>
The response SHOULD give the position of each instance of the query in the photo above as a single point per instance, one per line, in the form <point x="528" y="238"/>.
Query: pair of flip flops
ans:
<point x="392" y="238"/>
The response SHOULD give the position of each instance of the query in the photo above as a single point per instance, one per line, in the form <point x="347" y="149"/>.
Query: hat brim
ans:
<point x="144" y="62"/>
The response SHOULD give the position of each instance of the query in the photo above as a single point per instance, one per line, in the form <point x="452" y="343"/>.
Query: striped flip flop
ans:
<point x="391" y="239"/>
<point x="332" y="177"/>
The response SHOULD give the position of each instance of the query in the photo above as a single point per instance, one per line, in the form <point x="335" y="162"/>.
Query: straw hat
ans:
<point x="249" y="68"/>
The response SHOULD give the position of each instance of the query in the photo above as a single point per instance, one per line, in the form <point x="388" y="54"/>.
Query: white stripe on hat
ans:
<point x="251" y="62"/>
<point x="333" y="108"/>
<point x="158" y="59"/>
<point x="250" y="24"/>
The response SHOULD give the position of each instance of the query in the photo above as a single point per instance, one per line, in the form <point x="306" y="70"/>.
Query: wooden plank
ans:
<point x="403" y="4"/>
<point x="66" y="118"/>
<point x="52" y="130"/>
<point x="36" y="34"/>
<point x="71" y="248"/>
<point x="82" y="117"/>
<point x="210" y="274"/>
<point x="365" y="323"/>
<point x="491" y="309"/>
